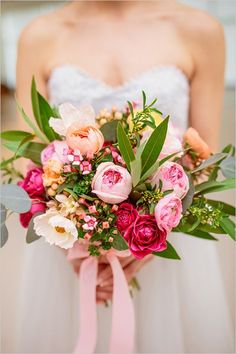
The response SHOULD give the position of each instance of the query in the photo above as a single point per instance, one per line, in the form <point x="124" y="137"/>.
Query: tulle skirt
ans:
<point x="182" y="307"/>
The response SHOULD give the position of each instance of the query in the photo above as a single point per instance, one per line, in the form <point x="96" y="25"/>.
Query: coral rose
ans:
<point x="112" y="183"/>
<point x="87" y="139"/>
<point x="193" y="139"/>
<point x="144" y="236"/>
<point x="172" y="177"/>
<point x="168" y="212"/>
<point x="126" y="215"/>
<point x="33" y="182"/>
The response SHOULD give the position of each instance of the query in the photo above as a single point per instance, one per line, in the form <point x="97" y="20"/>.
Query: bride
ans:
<point x="105" y="53"/>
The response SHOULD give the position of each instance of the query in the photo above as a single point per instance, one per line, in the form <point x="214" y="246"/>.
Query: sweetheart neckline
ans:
<point x="127" y="82"/>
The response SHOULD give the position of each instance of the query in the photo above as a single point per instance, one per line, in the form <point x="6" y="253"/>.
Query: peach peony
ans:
<point x="193" y="139"/>
<point x="87" y="139"/>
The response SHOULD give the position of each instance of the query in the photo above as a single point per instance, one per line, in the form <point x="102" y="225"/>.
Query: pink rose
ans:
<point x="36" y="207"/>
<point x="173" y="177"/>
<point x="33" y="182"/>
<point x="168" y="212"/>
<point x="126" y="215"/>
<point x="144" y="236"/>
<point x="87" y="139"/>
<point x="112" y="183"/>
<point x="57" y="150"/>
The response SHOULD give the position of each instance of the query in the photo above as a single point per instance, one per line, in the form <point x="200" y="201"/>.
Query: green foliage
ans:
<point x="109" y="131"/>
<point x="15" y="198"/>
<point x="228" y="226"/>
<point x="31" y="236"/>
<point x="30" y="150"/>
<point x="119" y="243"/>
<point x="169" y="253"/>
<point x="215" y="186"/>
<point x="201" y="234"/>
<point x="125" y="146"/>
<point x="187" y="200"/>
<point x="154" y="146"/>
<point x="212" y="160"/>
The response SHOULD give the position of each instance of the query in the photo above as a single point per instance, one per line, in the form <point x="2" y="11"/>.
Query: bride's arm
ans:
<point x="207" y="84"/>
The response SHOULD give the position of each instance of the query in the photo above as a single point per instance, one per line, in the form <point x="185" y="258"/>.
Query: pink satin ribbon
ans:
<point x="123" y="321"/>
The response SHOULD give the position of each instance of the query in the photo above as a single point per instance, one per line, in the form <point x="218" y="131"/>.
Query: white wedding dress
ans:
<point x="182" y="306"/>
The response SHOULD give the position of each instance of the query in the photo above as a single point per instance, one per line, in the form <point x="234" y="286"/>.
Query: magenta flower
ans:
<point x="145" y="237"/>
<point x="36" y="207"/>
<point x="126" y="215"/>
<point x="33" y="182"/>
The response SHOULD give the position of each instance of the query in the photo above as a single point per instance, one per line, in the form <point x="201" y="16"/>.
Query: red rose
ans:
<point x="33" y="182"/>
<point x="144" y="236"/>
<point x="36" y="207"/>
<point x="126" y="215"/>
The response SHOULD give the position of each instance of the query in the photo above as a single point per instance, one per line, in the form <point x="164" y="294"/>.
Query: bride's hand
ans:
<point x="131" y="267"/>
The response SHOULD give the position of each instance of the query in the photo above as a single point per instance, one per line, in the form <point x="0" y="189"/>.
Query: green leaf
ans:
<point x="144" y="99"/>
<point x="169" y="157"/>
<point x="42" y="113"/>
<point x="35" y="129"/>
<point x="226" y="208"/>
<point x="25" y="140"/>
<point x="150" y="172"/>
<point x="5" y="163"/>
<point x="4" y="231"/>
<point x="214" y="186"/>
<point x="30" y="150"/>
<point x="124" y="146"/>
<point x="209" y="228"/>
<point x="119" y="243"/>
<point x="170" y="252"/>
<point x="14" y="135"/>
<point x="228" y="226"/>
<point x="31" y="235"/>
<point x="211" y="161"/>
<point x="202" y="234"/>
<point x="154" y="146"/>
<point x="15" y="198"/>
<point x="109" y="131"/>
<point x="187" y="200"/>
<point x="227" y="167"/>
<point x="135" y="166"/>
<point x="229" y="149"/>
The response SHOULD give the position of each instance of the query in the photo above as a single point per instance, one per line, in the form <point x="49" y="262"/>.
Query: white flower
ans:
<point x="67" y="204"/>
<point x="56" y="229"/>
<point x="69" y="115"/>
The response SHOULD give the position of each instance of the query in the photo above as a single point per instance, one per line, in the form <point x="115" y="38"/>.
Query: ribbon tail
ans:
<point x="88" y="313"/>
<point x="123" y="319"/>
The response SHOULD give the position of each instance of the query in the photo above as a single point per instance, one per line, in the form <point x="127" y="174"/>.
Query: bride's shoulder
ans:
<point x="198" y="25"/>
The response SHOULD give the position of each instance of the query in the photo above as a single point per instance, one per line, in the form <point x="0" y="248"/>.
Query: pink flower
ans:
<point x="90" y="223"/>
<point x="92" y="209"/>
<point x="85" y="167"/>
<point x="144" y="236"/>
<point x="126" y="215"/>
<point x="112" y="183"/>
<point x="87" y="139"/>
<point x="173" y="177"/>
<point x="36" y="207"/>
<point x="168" y="212"/>
<point x="57" y="150"/>
<point x="33" y="182"/>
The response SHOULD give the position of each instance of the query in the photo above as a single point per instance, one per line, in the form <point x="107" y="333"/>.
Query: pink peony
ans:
<point x="36" y="207"/>
<point x="173" y="177"/>
<point x="126" y="215"/>
<point x="112" y="183"/>
<point x="57" y="150"/>
<point x="33" y="182"/>
<point x="168" y="212"/>
<point x="144" y="236"/>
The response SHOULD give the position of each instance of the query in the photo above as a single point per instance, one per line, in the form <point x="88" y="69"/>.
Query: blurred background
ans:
<point x="15" y="16"/>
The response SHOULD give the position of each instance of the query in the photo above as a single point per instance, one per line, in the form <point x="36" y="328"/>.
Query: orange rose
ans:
<point x="193" y="139"/>
<point x="85" y="139"/>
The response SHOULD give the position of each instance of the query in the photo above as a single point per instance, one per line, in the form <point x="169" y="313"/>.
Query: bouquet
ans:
<point x="114" y="184"/>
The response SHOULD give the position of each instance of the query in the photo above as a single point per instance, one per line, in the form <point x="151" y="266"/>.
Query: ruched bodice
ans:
<point x="68" y="83"/>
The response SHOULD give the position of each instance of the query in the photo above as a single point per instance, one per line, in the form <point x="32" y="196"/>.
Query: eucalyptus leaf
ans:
<point x="109" y="131"/>
<point x="119" y="243"/>
<point x="124" y="146"/>
<point x="211" y="161"/>
<point x="15" y="198"/>
<point x="154" y="145"/>
<point x="227" y="167"/>
<point x="4" y="231"/>
<point x="170" y="252"/>
<point x="31" y="236"/>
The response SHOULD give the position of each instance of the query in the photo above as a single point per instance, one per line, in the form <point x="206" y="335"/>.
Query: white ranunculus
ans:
<point x="56" y="229"/>
<point x="70" y="114"/>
